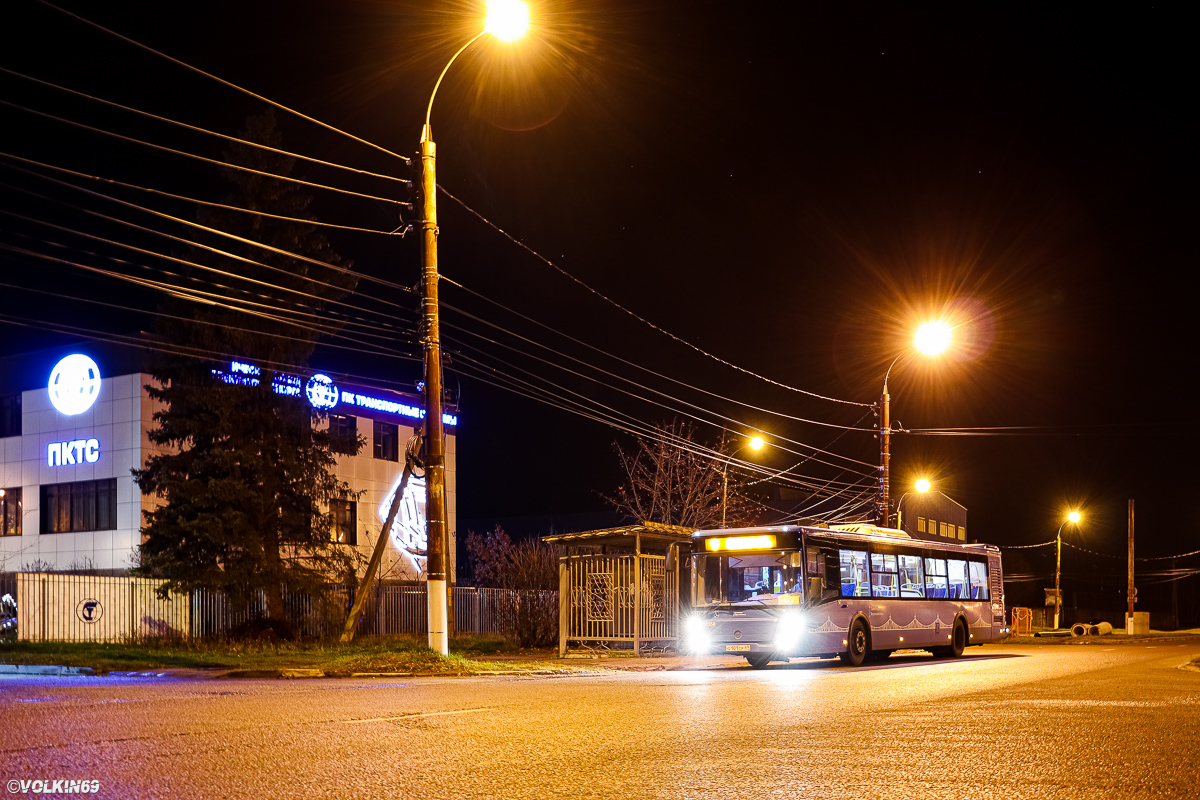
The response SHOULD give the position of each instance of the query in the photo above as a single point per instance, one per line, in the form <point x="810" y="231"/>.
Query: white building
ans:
<point x="69" y="442"/>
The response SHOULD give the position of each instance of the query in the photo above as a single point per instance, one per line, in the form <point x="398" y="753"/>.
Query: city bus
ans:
<point x="858" y="592"/>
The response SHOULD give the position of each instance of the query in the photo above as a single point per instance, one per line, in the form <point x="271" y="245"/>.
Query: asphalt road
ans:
<point x="1003" y="722"/>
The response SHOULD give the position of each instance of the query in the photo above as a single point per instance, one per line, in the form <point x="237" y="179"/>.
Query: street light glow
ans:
<point x="1074" y="517"/>
<point x="923" y="485"/>
<point x="507" y="19"/>
<point x="932" y="338"/>
<point x="756" y="443"/>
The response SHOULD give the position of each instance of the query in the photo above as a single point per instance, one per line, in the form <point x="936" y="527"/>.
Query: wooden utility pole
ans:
<point x="1130" y="592"/>
<point x="435" y="442"/>
<point x="883" y="515"/>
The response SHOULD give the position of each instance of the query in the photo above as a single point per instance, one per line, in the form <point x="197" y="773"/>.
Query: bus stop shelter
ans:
<point x="619" y="585"/>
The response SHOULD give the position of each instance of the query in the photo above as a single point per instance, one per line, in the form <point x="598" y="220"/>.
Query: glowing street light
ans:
<point x="1073" y="518"/>
<point x="754" y="443"/>
<point x="506" y="20"/>
<point x="923" y="485"/>
<point x="931" y="339"/>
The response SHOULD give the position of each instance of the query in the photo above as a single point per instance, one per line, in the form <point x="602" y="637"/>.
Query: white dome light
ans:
<point x="74" y="384"/>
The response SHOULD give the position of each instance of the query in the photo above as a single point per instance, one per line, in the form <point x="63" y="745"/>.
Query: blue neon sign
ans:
<point x="323" y="393"/>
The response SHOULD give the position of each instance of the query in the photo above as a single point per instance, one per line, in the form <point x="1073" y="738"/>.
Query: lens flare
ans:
<point x="507" y="19"/>
<point x="932" y="338"/>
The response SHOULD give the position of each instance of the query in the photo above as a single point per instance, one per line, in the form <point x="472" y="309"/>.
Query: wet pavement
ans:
<point x="1005" y="721"/>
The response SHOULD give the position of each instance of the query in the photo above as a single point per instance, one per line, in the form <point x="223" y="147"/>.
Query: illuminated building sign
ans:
<point x="74" y="384"/>
<point x="323" y="393"/>
<point x="408" y="529"/>
<point x="77" y="451"/>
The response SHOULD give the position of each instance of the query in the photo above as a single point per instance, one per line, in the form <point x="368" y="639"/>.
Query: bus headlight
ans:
<point x="789" y="630"/>
<point x="697" y="635"/>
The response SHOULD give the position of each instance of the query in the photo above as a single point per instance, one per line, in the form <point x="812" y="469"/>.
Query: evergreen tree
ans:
<point x="245" y="478"/>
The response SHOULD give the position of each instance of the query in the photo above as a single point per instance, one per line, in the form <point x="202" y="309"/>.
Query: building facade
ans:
<point x="68" y="446"/>
<point x="932" y="515"/>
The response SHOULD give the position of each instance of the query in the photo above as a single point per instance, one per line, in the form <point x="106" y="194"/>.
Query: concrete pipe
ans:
<point x="1079" y="629"/>
<point x="1100" y="629"/>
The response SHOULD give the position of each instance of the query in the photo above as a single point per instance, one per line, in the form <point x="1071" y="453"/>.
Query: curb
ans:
<point x="273" y="673"/>
<point x="46" y="670"/>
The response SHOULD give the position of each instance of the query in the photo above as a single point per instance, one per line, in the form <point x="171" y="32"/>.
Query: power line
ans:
<point x="231" y="85"/>
<point x="203" y="130"/>
<point x="631" y="363"/>
<point x="205" y="159"/>
<point x="636" y="316"/>
<point x="195" y="200"/>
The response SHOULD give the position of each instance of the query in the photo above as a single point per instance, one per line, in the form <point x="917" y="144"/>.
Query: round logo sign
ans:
<point x="321" y="391"/>
<point x="89" y="610"/>
<point x="74" y="384"/>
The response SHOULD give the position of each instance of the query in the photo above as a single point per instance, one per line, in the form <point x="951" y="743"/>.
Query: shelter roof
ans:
<point x="653" y="535"/>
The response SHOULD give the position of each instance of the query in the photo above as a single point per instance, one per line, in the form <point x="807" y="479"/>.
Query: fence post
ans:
<point x="564" y="606"/>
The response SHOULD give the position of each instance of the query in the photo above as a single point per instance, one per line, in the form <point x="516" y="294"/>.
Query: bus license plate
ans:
<point x="737" y="648"/>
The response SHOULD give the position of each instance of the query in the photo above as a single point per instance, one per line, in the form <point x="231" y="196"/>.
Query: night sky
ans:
<point x="789" y="187"/>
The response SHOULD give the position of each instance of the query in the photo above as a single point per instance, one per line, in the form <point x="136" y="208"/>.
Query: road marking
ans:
<point x="398" y="717"/>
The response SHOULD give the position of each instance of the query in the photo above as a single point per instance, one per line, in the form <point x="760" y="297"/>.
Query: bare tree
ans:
<point x="675" y="479"/>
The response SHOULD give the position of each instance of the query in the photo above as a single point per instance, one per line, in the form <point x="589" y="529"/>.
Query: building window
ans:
<point x="10" y="512"/>
<point x="344" y="426"/>
<point x="921" y="524"/>
<point x="962" y="533"/>
<point x="345" y="521"/>
<point x="387" y="441"/>
<point x="10" y="415"/>
<point x="79" y="506"/>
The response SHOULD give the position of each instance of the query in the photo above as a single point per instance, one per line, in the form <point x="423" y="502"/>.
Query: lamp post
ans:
<point x="507" y="20"/>
<point x="931" y="339"/>
<point x="755" y="443"/>
<point x="1072" y="518"/>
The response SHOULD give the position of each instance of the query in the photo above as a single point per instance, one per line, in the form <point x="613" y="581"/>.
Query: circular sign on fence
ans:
<point x="89" y="610"/>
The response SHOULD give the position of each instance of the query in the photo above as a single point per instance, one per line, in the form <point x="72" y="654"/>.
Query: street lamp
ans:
<point x="931" y="339"/>
<point x="1072" y="518"/>
<point x="921" y="487"/>
<point x="755" y="443"/>
<point x="506" y="20"/>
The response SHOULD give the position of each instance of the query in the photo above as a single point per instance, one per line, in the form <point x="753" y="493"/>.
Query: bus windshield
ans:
<point x="748" y="579"/>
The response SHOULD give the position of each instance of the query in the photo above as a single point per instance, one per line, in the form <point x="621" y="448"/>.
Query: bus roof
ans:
<point x="856" y="530"/>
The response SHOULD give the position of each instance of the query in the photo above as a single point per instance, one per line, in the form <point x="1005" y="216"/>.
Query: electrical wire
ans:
<point x="636" y="316"/>
<point x="231" y="85"/>
<point x="185" y="262"/>
<point x="205" y="159"/>
<point x="226" y="137"/>
<point x="632" y="363"/>
<point x="195" y="200"/>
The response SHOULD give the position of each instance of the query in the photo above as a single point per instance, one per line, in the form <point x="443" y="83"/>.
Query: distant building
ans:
<point x="933" y="516"/>
<point x="74" y="423"/>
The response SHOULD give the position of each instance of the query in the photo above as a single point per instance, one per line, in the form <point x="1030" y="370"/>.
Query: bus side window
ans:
<point x="883" y="576"/>
<point x="979" y="583"/>
<point x="958" y="578"/>
<point x="935" y="577"/>
<point x="853" y="572"/>
<point x="912" y="582"/>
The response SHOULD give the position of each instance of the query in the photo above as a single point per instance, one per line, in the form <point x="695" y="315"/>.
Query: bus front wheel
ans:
<point x="858" y="645"/>
<point x="759" y="660"/>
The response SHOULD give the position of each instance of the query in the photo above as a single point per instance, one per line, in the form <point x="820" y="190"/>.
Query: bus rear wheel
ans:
<point x="958" y="642"/>
<point x="858" y="645"/>
<point x="759" y="660"/>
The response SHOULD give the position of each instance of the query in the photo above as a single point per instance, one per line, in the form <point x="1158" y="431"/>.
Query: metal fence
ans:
<point x="63" y="607"/>
<point x="618" y="598"/>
